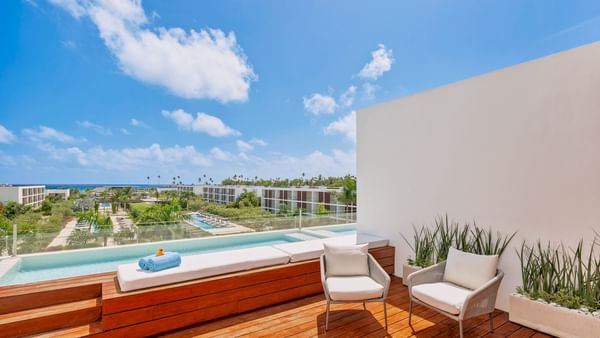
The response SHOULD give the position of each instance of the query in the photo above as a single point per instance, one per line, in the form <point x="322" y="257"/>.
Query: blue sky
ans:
<point x="103" y="91"/>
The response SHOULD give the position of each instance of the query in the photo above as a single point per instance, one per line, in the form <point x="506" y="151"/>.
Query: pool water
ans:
<point x="63" y="264"/>
<point x="199" y="222"/>
<point x="25" y="275"/>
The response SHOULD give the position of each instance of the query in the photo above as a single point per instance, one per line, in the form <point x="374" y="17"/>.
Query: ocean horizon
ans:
<point x="85" y="186"/>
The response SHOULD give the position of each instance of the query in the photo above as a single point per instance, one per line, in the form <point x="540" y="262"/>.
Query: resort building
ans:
<point x="62" y="193"/>
<point x="30" y="195"/>
<point x="308" y="199"/>
<point x="224" y="194"/>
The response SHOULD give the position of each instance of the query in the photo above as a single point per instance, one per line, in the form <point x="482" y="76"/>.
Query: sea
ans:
<point x="83" y="187"/>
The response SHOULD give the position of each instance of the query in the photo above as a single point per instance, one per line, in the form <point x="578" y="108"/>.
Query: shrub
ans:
<point x="431" y="243"/>
<point x="568" y="277"/>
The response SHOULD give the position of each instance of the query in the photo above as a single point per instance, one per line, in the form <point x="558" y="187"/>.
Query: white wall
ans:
<point x="516" y="149"/>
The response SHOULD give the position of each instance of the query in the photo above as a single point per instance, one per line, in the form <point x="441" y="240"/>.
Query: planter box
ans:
<point x="552" y="319"/>
<point x="407" y="270"/>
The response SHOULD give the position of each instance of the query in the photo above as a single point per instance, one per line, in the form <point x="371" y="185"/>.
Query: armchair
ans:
<point x="373" y="287"/>
<point x="431" y="287"/>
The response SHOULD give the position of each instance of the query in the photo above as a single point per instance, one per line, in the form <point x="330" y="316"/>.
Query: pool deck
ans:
<point x="226" y="229"/>
<point x="94" y="305"/>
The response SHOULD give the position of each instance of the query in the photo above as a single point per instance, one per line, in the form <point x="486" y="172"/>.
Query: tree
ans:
<point x="46" y="207"/>
<point x="348" y="193"/>
<point x="79" y="239"/>
<point x="322" y="210"/>
<point x="247" y="199"/>
<point x="104" y="227"/>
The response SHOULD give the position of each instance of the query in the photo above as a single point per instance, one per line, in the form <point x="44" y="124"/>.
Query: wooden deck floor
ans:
<point x="306" y="318"/>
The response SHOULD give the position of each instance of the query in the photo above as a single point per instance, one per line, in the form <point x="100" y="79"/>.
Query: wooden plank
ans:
<point x="24" y="301"/>
<point x="386" y="251"/>
<point x="124" y="318"/>
<point x="50" y="318"/>
<point x="279" y="297"/>
<point x="116" y="301"/>
<point x="170" y="323"/>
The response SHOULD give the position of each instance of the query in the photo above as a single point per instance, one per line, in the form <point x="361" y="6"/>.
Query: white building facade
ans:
<point x="29" y="195"/>
<point x="62" y="193"/>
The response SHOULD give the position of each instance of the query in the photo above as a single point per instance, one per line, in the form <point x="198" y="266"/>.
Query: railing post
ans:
<point x="300" y="220"/>
<point x="14" y="243"/>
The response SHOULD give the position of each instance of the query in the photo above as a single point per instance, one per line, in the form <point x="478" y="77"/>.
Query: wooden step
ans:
<point x="44" y="319"/>
<point x="16" y="298"/>
<point x="71" y="332"/>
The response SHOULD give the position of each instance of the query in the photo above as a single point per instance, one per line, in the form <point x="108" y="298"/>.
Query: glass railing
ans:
<point x="125" y="231"/>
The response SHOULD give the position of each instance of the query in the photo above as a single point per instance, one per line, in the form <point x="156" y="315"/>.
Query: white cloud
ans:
<point x="47" y="133"/>
<point x="6" y="136"/>
<point x="69" y="44"/>
<point x="137" y="123"/>
<point x="369" y="90"/>
<point x="345" y="125"/>
<point x="219" y="154"/>
<point x="380" y="63"/>
<point x="335" y="163"/>
<point x="244" y="147"/>
<point x="95" y="127"/>
<point x="124" y="159"/>
<point x="203" y="123"/>
<point x="197" y="64"/>
<point x="258" y="142"/>
<point x="319" y="104"/>
<point x="347" y="97"/>
<point x="125" y="131"/>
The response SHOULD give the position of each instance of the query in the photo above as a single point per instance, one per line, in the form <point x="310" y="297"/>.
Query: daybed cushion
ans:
<point x="131" y="277"/>
<point x="353" y="288"/>
<point x="445" y="296"/>
<point x="306" y="250"/>
<point x="374" y="241"/>
<point x="346" y="260"/>
<point x="469" y="270"/>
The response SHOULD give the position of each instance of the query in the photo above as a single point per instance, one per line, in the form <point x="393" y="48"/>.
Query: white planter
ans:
<point x="407" y="270"/>
<point x="553" y="319"/>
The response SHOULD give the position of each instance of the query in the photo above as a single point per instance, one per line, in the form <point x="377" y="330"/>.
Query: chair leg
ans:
<point x="364" y="306"/>
<point x="410" y="312"/>
<point x="460" y="328"/>
<point x="385" y="314"/>
<point x="491" y="323"/>
<point x="327" y="317"/>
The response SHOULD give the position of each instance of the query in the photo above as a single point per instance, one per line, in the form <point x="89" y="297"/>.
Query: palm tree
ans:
<point x="148" y="178"/>
<point x="158" y="179"/>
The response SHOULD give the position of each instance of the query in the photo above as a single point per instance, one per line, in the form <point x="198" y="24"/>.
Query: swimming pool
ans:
<point x="199" y="222"/>
<point x="47" y="266"/>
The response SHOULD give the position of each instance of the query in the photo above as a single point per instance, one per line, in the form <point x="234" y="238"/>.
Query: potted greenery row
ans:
<point x="561" y="289"/>
<point x="430" y="244"/>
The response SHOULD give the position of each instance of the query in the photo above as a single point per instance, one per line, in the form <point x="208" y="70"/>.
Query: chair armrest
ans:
<point x="483" y="299"/>
<point x="323" y="276"/>
<point x="378" y="274"/>
<point x="431" y="274"/>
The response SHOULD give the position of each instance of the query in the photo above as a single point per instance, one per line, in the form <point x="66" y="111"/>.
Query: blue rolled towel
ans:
<point x="166" y="261"/>
<point x="143" y="262"/>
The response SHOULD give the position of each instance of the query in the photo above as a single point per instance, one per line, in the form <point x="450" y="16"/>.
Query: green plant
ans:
<point x="423" y="246"/>
<point x="569" y="277"/>
<point x="431" y="243"/>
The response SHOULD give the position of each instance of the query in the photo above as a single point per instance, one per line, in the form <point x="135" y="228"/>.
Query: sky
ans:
<point x="114" y="91"/>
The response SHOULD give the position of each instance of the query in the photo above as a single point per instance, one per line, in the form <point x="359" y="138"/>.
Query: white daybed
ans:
<point x="131" y="277"/>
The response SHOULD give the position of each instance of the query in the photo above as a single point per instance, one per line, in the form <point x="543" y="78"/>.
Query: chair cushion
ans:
<point x="353" y="288"/>
<point x="469" y="270"/>
<point x="346" y="260"/>
<point x="445" y="296"/>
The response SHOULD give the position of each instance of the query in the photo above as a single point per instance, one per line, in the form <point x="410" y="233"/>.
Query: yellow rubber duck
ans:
<point x="160" y="252"/>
